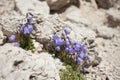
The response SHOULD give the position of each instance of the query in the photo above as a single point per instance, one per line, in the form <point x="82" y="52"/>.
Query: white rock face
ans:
<point x="1" y="37"/>
<point x="6" y="6"/>
<point x="85" y="15"/>
<point x="33" y="6"/>
<point x="18" y="64"/>
<point x="10" y="24"/>
<point x="105" y="32"/>
<point x="47" y="27"/>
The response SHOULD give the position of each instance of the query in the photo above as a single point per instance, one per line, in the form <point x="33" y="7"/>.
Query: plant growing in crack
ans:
<point x="72" y="53"/>
<point x="25" y="30"/>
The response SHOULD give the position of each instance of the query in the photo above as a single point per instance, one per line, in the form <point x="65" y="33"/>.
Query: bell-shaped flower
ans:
<point x="56" y="37"/>
<point x="79" y="60"/>
<point x="82" y="55"/>
<point x="17" y="44"/>
<point x="57" y="48"/>
<point x="58" y="42"/>
<point x="67" y="43"/>
<point x="67" y="31"/>
<point x="77" y="47"/>
<point x="66" y="49"/>
<point x="26" y="31"/>
<point x="30" y="28"/>
<point x="12" y="38"/>
<point x="29" y="20"/>
<point x="71" y="51"/>
<point x="22" y="27"/>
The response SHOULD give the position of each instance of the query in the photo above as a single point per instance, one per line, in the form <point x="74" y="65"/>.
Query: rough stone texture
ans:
<point x="109" y="52"/>
<point x="10" y="23"/>
<point x="6" y="6"/>
<point x="80" y="32"/>
<point x="59" y="4"/>
<point x="85" y="15"/>
<point x="113" y="17"/>
<point x="19" y="64"/>
<point x="106" y="4"/>
<point x="2" y="37"/>
<point x="38" y="47"/>
<point x="47" y="27"/>
<point x="105" y="32"/>
<point x="33" y="6"/>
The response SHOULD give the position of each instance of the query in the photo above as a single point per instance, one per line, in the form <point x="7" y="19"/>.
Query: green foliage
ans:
<point x="73" y="70"/>
<point x="70" y="74"/>
<point x="26" y="43"/>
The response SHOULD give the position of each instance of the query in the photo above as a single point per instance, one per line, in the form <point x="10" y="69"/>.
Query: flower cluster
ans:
<point x="27" y="28"/>
<point x="25" y="31"/>
<point x="70" y="47"/>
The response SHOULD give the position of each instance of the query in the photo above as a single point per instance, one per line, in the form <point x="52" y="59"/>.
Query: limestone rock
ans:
<point x="6" y="6"/>
<point x="2" y="37"/>
<point x="10" y="24"/>
<point x="106" y="4"/>
<point x="105" y="32"/>
<point x="46" y="28"/>
<point x="33" y="6"/>
<point x="113" y="17"/>
<point x="59" y="4"/>
<point x="86" y="15"/>
<point x="19" y="64"/>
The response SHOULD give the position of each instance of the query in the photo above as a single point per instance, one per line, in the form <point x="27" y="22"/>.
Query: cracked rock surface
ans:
<point x="18" y="64"/>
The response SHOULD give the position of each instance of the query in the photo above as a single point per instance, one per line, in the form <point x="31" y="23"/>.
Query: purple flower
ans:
<point x="67" y="43"/>
<point x="26" y="31"/>
<point x="56" y="37"/>
<point x="88" y="58"/>
<point x="12" y="38"/>
<point x="82" y="55"/>
<point x="17" y="44"/>
<point x="57" y="48"/>
<point x="30" y="20"/>
<point x="30" y="28"/>
<point x="77" y="47"/>
<point x="58" y="42"/>
<point x="67" y="31"/>
<point x="22" y="27"/>
<point x="66" y="49"/>
<point x="84" y="51"/>
<point x="79" y="60"/>
<point x="71" y="51"/>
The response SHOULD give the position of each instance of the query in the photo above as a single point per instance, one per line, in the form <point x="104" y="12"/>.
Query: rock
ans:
<point x="4" y="6"/>
<point x="10" y="24"/>
<point x="19" y="64"/>
<point x="80" y="32"/>
<point x="2" y="37"/>
<point x="46" y="28"/>
<point x="58" y="4"/>
<point x="33" y="6"/>
<point x="38" y="46"/>
<point x="113" y="17"/>
<point x="86" y="15"/>
<point x="106" y="4"/>
<point x="105" y="32"/>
